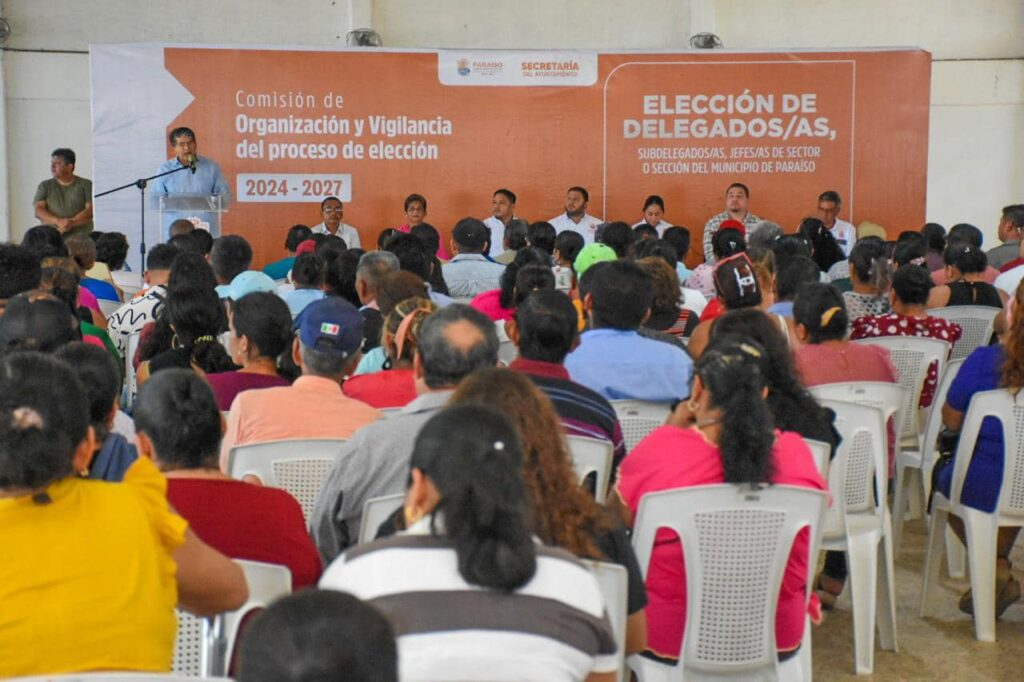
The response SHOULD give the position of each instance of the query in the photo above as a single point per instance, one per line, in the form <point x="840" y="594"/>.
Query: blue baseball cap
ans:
<point x="333" y="326"/>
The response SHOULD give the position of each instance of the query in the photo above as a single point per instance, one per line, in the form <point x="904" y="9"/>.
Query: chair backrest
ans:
<point x="889" y="398"/>
<point x="590" y="455"/>
<point x="912" y="355"/>
<point x="638" y="418"/>
<point x="299" y="466"/>
<point x="934" y="425"/>
<point x="388" y="412"/>
<point x="108" y="307"/>
<point x="977" y="322"/>
<point x="999" y="404"/>
<point x="376" y="511"/>
<point x="732" y="536"/>
<point x="129" y="368"/>
<point x="858" y="475"/>
<point x="822" y="452"/>
<point x="267" y="583"/>
<point x="190" y="644"/>
<point x="613" y="582"/>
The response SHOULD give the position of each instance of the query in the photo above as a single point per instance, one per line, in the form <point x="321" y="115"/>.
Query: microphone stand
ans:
<point x="141" y="184"/>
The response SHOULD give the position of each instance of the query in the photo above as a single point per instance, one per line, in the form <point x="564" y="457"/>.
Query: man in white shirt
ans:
<point x="503" y="209"/>
<point x="575" y="217"/>
<point x="332" y="211"/>
<point x="829" y="205"/>
<point x="737" y="199"/>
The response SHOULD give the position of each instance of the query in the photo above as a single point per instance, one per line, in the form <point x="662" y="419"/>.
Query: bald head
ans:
<point x="454" y="342"/>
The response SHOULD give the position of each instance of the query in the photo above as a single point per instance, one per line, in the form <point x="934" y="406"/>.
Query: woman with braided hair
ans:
<point x="394" y="386"/>
<point x="724" y="433"/>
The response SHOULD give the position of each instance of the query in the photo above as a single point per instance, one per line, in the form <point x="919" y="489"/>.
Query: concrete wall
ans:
<point x="977" y="117"/>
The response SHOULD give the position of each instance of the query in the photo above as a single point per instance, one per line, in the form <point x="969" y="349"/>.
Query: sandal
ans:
<point x="1007" y="593"/>
<point x="828" y="589"/>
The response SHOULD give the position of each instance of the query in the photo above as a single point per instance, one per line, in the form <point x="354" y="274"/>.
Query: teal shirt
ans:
<point x="279" y="269"/>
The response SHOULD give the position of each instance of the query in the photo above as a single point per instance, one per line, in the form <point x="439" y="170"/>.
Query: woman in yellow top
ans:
<point x="90" y="571"/>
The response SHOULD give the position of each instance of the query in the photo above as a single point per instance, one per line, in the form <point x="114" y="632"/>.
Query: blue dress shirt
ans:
<point x="207" y="180"/>
<point x="623" y="365"/>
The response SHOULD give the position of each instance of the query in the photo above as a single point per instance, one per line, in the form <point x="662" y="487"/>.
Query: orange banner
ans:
<point x="291" y="127"/>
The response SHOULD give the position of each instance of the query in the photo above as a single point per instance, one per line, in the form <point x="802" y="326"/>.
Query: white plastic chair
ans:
<point x="204" y="645"/>
<point x="821" y="452"/>
<point x="912" y="356"/>
<point x="376" y="511"/>
<point x="737" y="542"/>
<point x="613" y="582"/>
<point x="977" y="323"/>
<point x="592" y="456"/>
<point x="914" y="467"/>
<point x="980" y="527"/>
<point x="299" y="466"/>
<point x="108" y="307"/>
<point x="638" y="418"/>
<point x="858" y="522"/>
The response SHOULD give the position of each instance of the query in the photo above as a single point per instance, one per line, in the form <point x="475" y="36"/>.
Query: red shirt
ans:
<point x="385" y="389"/>
<point x="245" y="521"/>
<point x="671" y="457"/>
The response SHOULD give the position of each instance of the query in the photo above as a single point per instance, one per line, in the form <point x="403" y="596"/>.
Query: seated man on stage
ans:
<point x="203" y="178"/>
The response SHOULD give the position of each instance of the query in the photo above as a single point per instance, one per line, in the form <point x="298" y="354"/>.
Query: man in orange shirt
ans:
<point x="327" y="349"/>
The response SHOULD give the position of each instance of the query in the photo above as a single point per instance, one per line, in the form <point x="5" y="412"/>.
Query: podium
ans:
<point x="203" y="210"/>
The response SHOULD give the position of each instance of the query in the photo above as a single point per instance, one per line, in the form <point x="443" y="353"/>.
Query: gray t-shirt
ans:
<point x="65" y="201"/>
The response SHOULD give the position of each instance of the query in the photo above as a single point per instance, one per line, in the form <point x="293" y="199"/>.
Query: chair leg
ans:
<point x="981" y="560"/>
<point x="886" y="600"/>
<point x="862" y="560"/>
<point x="916" y="494"/>
<point x="956" y="556"/>
<point x="899" y="504"/>
<point x="933" y="559"/>
<point x="806" y="666"/>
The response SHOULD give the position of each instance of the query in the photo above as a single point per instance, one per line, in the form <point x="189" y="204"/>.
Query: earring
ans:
<point x="412" y="515"/>
<point x="692" y="405"/>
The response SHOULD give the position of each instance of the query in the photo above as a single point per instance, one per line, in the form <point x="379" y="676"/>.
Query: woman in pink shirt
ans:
<point x="723" y="434"/>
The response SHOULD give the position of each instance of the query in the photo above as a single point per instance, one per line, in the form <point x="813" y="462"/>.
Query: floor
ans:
<point x="934" y="649"/>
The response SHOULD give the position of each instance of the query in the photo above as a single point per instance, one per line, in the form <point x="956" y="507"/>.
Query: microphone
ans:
<point x="192" y="163"/>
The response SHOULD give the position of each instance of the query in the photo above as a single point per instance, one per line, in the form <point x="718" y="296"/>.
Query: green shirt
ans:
<point x="66" y="201"/>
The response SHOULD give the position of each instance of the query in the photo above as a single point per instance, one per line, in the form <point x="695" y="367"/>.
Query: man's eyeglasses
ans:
<point x="334" y="210"/>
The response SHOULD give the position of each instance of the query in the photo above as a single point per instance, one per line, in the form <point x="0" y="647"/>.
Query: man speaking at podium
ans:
<point x="201" y="179"/>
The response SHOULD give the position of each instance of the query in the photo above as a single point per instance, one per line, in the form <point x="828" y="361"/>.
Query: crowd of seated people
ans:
<point x="452" y="382"/>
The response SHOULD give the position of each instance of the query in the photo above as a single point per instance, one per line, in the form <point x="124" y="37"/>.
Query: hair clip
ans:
<point x="750" y="350"/>
<point x="26" y="418"/>
<point x="499" y="445"/>
<point x="206" y="339"/>
<point x="827" y="316"/>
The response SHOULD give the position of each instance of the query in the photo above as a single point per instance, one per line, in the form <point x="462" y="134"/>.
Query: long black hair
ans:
<point x="474" y="458"/>
<point x="530" y="255"/>
<point x="730" y="370"/>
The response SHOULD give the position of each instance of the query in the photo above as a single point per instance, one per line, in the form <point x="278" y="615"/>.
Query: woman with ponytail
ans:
<point x="724" y="433"/>
<point x="871" y="275"/>
<point x="195" y="320"/>
<point x="987" y="368"/>
<point x="468" y="590"/>
<point x="394" y="386"/>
